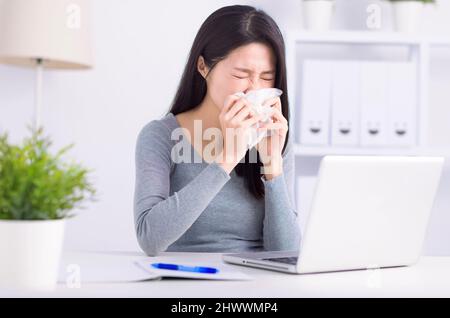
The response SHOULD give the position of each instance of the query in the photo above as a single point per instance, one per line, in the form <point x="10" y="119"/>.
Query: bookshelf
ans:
<point x="418" y="51"/>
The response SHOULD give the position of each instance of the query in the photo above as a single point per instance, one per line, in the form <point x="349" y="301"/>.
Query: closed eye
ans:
<point x="264" y="79"/>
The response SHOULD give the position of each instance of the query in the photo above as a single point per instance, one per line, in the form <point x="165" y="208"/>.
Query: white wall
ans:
<point x="140" y="49"/>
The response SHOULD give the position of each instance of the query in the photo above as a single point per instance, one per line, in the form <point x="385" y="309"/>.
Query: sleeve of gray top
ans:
<point x="281" y="230"/>
<point x="161" y="219"/>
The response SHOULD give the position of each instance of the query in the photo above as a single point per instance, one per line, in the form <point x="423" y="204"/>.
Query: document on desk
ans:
<point x="224" y="271"/>
<point x="82" y="268"/>
<point x="79" y="268"/>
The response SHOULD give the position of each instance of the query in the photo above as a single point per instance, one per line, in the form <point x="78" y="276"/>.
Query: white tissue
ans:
<point x="257" y="99"/>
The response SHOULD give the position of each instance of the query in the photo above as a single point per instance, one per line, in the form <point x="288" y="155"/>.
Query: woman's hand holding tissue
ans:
<point x="271" y="146"/>
<point x="236" y="118"/>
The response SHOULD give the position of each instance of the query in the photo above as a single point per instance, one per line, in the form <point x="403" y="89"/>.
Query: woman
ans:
<point x="225" y="202"/>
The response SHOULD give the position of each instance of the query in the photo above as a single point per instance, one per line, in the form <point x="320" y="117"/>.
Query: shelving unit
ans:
<point x="418" y="47"/>
<point x="365" y="37"/>
<point x="309" y="151"/>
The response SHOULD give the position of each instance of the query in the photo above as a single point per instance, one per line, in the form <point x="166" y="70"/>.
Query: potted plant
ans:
<point x="38" y="190"/>
<point x="317" y="14"/>
<point x="407" y="14"/>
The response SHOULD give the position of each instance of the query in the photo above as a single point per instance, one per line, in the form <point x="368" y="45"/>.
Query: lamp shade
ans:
<point x="55" y="31"/>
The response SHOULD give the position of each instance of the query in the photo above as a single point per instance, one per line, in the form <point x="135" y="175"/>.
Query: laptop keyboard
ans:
<point x="285" y="260"/>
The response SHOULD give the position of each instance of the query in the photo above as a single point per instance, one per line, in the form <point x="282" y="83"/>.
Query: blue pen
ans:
<point x="195" y="269"/>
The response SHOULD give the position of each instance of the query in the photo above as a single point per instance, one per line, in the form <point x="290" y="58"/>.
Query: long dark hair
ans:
<point x="223" y="31"/>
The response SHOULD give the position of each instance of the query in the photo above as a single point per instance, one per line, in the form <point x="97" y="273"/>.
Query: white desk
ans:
<point x="429" y="278"/>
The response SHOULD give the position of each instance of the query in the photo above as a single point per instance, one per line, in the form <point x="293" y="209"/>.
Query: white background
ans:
<point x="140" y="48"/>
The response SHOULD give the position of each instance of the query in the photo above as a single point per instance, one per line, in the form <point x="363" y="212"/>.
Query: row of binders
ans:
<point x="358" y="103"/>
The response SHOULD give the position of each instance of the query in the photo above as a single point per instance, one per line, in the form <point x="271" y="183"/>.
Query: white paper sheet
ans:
<point x="100" y="268"/>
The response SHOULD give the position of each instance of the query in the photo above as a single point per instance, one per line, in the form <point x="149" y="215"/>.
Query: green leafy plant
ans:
<point x="36" y="185"/>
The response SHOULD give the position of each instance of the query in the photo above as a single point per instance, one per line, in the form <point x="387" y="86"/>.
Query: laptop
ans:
<point x="367" y="212"/>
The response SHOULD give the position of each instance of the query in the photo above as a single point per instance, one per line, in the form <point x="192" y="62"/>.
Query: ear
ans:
<point x="202" y="68"/>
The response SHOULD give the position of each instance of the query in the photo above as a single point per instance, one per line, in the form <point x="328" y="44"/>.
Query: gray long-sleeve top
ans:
<point x="198" y="207"/>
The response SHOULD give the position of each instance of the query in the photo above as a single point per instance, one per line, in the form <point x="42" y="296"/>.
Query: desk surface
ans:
<point x="428" y="278"/>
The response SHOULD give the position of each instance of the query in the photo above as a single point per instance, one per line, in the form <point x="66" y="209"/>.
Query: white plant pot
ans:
<point x="407" y="15"/>
<point x="317" y="14"/>
<point x="30" y="253"/>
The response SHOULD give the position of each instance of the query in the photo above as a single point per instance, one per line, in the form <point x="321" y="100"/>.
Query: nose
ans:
<point x="253" y="85"/>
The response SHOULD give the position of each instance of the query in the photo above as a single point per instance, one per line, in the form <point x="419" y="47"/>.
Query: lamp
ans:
<point x="42" y="34"/>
